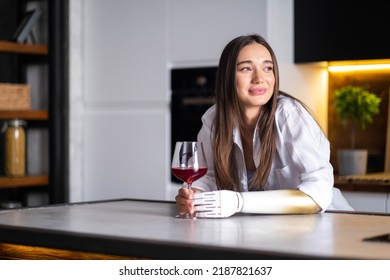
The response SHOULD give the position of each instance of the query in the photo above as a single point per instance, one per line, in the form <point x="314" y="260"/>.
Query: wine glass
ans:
<point x="188" y="164"/>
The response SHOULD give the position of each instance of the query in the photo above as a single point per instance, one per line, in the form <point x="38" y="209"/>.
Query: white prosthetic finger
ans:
<point x="206" y="198"/>
<point x="203" y="208"/>
<point x="208" y="215"/>
<point x="205" y="195"/>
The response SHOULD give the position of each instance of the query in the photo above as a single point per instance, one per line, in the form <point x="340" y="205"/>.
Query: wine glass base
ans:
<point x="186" y="216"/>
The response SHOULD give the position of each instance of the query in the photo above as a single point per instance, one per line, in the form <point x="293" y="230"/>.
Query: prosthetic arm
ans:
<point x="224" y="203"/>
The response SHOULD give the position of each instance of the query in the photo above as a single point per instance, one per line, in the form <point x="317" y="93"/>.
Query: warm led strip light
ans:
<point x="363" y="67"/>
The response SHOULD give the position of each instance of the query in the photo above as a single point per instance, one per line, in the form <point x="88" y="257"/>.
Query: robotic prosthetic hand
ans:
<point x="224" y="203"/>
<point x="217" y="204"/>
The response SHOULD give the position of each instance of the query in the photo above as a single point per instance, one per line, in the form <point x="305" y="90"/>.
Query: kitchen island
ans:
<point x="149" y="230"/>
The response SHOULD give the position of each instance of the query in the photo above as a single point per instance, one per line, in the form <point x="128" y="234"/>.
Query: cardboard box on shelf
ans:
<point x="14" y="97"/>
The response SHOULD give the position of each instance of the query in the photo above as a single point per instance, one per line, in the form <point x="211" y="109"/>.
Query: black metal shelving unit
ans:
<point x="55" y="118"/>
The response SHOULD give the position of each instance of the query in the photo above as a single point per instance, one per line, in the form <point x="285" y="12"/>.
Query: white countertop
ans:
<point x="149" y="229"/>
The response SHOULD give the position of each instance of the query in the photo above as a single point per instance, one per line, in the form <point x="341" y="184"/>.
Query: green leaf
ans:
<point x="357" y="105"/>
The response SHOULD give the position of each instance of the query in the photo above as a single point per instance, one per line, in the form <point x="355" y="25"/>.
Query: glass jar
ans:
<point x="10" y="204"/>
<point x="15" y="148"/>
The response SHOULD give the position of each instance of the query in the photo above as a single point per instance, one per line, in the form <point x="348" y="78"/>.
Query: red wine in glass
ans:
<point x="189" y="174"/>
<point x="188" y="164"/>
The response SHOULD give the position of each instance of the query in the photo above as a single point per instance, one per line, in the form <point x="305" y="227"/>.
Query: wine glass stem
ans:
<point x="191" y="216"/>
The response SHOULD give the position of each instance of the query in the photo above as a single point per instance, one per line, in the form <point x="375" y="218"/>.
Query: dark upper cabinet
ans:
<point x="334" y="30"/>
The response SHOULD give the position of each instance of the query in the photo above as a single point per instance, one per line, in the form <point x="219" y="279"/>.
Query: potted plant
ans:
<point x="355" y="106"/>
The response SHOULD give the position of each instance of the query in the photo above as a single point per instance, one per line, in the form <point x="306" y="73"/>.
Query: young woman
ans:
<point x="260" y="141"/>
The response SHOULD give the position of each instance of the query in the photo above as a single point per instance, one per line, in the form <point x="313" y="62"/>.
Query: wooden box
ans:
<point x="14" y="97"/>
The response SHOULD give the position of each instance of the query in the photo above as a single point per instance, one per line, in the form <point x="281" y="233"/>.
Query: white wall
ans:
<point x="121" y="52"/>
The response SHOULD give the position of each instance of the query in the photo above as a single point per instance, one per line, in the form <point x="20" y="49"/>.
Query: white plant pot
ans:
<point x="352" y="161"/>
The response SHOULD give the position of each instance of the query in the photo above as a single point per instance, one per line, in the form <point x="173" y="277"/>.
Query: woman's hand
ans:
<point x="184" y="202"/>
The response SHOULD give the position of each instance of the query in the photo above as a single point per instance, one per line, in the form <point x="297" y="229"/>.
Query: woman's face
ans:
<point x="255" y="79"/>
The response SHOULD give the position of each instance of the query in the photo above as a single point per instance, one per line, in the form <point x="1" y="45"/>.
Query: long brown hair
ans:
<point x="229" y="114"/>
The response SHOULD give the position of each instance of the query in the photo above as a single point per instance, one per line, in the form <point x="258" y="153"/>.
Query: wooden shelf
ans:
<point x="362" y="186"/>
<point x="11" y="47"/>
<point x="25" y="115"/>
<point x="27" y="181"/>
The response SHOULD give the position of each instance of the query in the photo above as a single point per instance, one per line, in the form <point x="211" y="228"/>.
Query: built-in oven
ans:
<point x="192" y="94"/>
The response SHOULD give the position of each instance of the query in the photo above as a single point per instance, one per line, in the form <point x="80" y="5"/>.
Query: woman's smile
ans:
<point x="257" y="91"/>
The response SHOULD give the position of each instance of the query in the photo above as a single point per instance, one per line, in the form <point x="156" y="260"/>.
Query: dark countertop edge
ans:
<point x="89" y="202"/>
<point x="358" y="213"/>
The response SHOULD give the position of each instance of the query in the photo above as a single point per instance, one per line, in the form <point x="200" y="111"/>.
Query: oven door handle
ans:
<point x="190" y="101"/>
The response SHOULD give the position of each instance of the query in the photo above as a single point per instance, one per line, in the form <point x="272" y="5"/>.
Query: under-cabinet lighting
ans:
<point x="361" y="67"/>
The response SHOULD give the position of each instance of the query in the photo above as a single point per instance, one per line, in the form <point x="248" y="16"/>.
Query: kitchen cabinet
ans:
<point x="125" y="148"/>
<point x="47" y="59"/>
<point x="199" y="30"/>
<point x="368" y="201"/>
<point x="335" y="30"/>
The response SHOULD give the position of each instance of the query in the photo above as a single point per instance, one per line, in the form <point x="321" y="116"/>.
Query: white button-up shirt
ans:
<point x="301" y="162"/>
